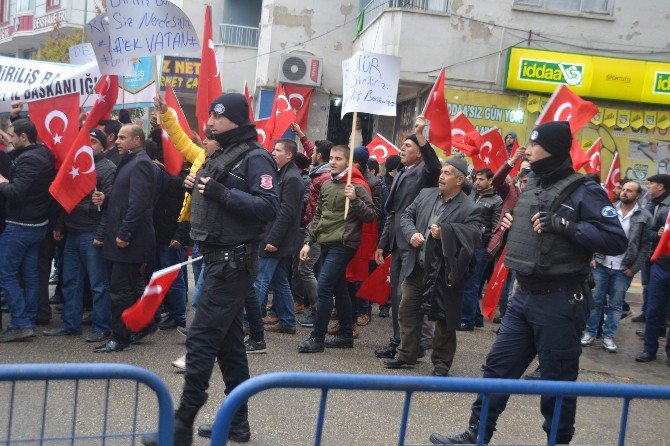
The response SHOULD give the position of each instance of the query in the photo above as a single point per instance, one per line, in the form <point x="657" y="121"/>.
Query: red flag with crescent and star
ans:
<point x="492" y="152"/>
<point x="381" y="148"/>
<point x="57" y="123"/>
<point x="172" y="159"/>
<point x="299" y="99"/>
<point x="280" y="120"/>
<point x="76" y="177"/>
<point x="377" y="287"/>
<point x="107" y="89"/>
<point x="495" y="288"/>
<point x="564" y="105"/>
<point x="209" y="80"/>
<point x="435" y="110"/>
<point x="247" y="96"/>
<point x="613" y="176"/>
<point x="663" y="247"/>
<point x="594" y="165"/>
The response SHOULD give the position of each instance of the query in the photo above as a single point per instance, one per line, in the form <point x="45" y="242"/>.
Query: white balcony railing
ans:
<point x="376" y="7"/>
<point x="238" y="35"/>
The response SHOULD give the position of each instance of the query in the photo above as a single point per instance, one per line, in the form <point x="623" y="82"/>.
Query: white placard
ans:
<point x="370" y="83"/>
<point x="149" y="27"/>
<point x="31" y="80"/>
<point x="81" y="54"/>
<point x="98" y="32"/>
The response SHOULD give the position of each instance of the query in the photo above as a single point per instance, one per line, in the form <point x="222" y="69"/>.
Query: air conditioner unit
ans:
<point x="301" y="69"/>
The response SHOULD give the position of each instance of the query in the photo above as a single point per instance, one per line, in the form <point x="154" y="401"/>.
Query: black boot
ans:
<point x="239" y="427"/>
<point x="183" y="428"/>
<point x="467" y="437"/>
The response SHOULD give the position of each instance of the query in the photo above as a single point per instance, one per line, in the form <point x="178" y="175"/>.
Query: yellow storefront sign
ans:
<point x="609" y="117"/>
<point x="589" y="76"/>
<point x="650" y="119"/>
<point x="623" y="119"/>
<point x="636" y="119"/>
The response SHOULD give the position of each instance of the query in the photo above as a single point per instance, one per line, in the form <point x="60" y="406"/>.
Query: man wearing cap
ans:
<point x="436" y="211"/>
<point x="559" y="221"/>
<point x="421" y="169"/>
<point x="83" y="253"/>
<point x="234" y="198"/>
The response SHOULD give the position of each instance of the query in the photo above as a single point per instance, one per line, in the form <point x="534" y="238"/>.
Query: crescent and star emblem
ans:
<point x="383" y="149"/>
<point x="299" y="97"/>
<point x="210" y="44"/>
<point x="47" y="123"/>
<point x="560" y="109"/>
<point x="75" y="170"/>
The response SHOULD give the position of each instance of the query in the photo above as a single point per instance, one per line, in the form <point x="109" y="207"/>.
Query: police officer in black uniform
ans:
<point x="234" y="197"/>
<point x="559" y="221"/>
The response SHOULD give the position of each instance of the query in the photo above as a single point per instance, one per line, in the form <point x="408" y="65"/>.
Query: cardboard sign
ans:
<point x="370" y="83"/>
<point x="81" y="54"/>
<point x="109" y="63"/>
<point x="150" y="27"/>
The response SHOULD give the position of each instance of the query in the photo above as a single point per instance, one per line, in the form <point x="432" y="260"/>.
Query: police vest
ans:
<point x="211" y="224"/>
<point x="544" y="255"/>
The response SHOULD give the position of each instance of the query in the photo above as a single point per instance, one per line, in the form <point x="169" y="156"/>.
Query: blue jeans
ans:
<point x="332" y="281"/>
<point x="273" y="272"/>
<point x="82" y="259"/>
<point x="18" y="255"/>
<point x="176" y="297"/>
<point x="657" y="305"/>
<point x="614" y="283"/>
<point x="471" y="311"/>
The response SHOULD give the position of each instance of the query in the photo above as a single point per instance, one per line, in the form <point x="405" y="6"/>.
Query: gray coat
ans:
<point x="417" y="217"/>
<point x="405" y="188"/>
<point x="639" y="245"/>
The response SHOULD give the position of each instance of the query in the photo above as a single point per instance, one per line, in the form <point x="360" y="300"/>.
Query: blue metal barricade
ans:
<point x="410" y="384"/>
<point x="75" y="373"/>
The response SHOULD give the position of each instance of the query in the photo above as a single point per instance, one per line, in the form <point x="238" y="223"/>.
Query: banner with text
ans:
<point x="109" y="63"/>
<point x="370" y="83"/>
<point x="181" y="73"/>
<point x="150" y="27"/>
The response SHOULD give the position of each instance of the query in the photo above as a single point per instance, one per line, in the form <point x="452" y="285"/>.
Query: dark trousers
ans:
<point x="216" y="333"/>
<point x="657" y="305"/>
<point x="332" y="281"/>
<point x="125" y="287"/>
<point x="549" y="325"/>
<point x="396" y="266"/>
<point x="46" y="252"/>
<point x="254" y="314"/>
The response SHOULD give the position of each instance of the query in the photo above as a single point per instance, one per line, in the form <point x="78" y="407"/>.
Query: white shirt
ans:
<point x="615" y="262"/>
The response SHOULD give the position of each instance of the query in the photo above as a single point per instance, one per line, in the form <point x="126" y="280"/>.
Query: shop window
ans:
<point x="53" y="4"/>
<point x="24" y="6"/>
<point x="4" y="11"/>
<point x="577" y="6"/>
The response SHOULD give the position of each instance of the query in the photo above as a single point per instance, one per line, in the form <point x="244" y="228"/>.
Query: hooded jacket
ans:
<point x="319" y="175"/>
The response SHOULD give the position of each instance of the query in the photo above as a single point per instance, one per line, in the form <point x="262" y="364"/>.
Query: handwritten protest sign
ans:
<point x="109" y="63"/>
<point x="370" y="83"/>
<point x="81" y="54"/>
<point x="150" y="27"/>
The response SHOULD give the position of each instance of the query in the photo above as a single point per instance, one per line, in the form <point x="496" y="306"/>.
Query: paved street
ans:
<point x="353" y="418"/>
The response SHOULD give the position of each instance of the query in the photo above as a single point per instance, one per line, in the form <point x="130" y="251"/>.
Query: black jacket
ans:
<point x="168" y="206"/>
<point x="130" y="211"/>
<point x="4" y="171"/>
<point x="284" y="232"/>
<point x="27" y="198"/>
<point x="86" y="217"/>
<point x="490" y="205"/>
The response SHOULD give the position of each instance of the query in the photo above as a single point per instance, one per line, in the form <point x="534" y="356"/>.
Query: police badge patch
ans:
<point x="219" y="109"/>
<point x="608" y="212"/>
<point x="534" y="135"/>
<point x="266" y="182"/>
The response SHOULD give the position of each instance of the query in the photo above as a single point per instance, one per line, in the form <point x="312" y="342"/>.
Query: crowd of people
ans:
<point x="305" y="225"/>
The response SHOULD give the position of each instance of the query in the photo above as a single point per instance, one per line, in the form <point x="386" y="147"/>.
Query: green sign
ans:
<point x="553" y="72"/>
<point x="662" y="83"/>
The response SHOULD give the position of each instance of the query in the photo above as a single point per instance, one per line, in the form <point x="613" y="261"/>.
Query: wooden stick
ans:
<point x="157" y="82"/>
<point x="352" y="140"/>
<point x="123" y="91"/>
<point x="95" y="188"/>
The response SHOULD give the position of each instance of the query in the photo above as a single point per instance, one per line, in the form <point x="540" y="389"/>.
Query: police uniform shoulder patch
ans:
<point x="608" y="212"/>
<point x="266" y="182"/>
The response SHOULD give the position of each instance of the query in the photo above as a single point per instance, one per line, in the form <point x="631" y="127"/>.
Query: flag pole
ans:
<point x="95" y="189"/>
<point x="157" y="79"/>
<point x="352" y="139"/>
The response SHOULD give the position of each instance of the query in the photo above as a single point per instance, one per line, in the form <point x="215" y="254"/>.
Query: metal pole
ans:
<point x="83" y="30"/>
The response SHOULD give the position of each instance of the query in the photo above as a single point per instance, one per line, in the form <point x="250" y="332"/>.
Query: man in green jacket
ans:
<point x="339" y="239"/>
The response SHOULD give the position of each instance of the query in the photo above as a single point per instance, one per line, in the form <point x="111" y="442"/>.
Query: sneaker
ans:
<point x="609" y="345"/>
<point x="307" y="321"/>
<point x="384" y="311"/>
<point x="183" y="331"/>
<point x="587" y="339"/>
<point x="180" y="364"/>
<point x="254" y="347"/>
<point x="16" y="334"/>
<point x="311" y="345"/>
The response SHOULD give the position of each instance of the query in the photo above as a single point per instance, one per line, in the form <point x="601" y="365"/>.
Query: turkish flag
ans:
<point x="263" y="136"/>
<point x="299" y="98"/>
<point x="594" y="164"/>
<point x="663" y="247"/>
<point x="172" y="159"/>
<point x="209" y="79"/>
<point x="280" y="120"/>
<point x="247" y="96"/>
<point x="381" y="148"/>
<point x="377" y="287"/>
<point x="613" y="176"/>
<point x="460" y="126"/>
<point x="435" y="110"/>
<point x="57" y="123"/>
<point x="492" y="152"/>
<point x="515" y="170"/>
<point x="107" y="89"/>
<point x="76" y="177"/>
<point x="495" y="288"/>
<point x="142" y="312"/>
<point x="564" y="105"/>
